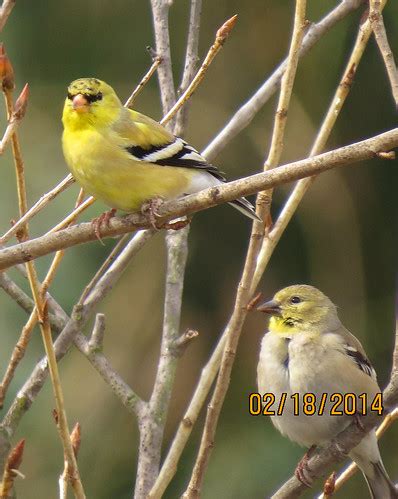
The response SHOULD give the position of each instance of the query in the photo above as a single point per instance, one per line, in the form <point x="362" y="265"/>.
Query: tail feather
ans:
<point x="245" y="207"/>
<point x="367" y="456"/>
<point x="379" y="483"/>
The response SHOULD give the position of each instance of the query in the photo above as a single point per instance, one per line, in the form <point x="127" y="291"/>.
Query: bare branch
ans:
<point x="5" y="11"/>
<point x="155" y="64"/>
<point x="360" y="151"/>
<point x="376" y="20"/>
<point x="153" y="421"/>
<point x="160" y="13"/>
<point x="221" y="36"/>
<point x="191" y="61"/>
<point x="246" y="113"/>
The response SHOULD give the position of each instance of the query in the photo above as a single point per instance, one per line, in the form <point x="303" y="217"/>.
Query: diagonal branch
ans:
<point x="5" y="11"/>
<point x="247" y="112"/>
<point x="376" y="20"/>
<point x="82" y="233"/>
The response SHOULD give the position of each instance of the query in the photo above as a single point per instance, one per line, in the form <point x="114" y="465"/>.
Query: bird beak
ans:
<point x="80" y="104"/>
<point x="271" y="307"/>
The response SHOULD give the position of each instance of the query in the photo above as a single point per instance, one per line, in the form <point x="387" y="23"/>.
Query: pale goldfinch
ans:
<point x="126" y="159"/>
<point x="307" y="350"/>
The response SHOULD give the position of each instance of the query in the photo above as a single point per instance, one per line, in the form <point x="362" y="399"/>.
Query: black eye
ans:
<point x="295" y="299"/>
<point x="93" y="97"/>
<point x="70" y="96"/>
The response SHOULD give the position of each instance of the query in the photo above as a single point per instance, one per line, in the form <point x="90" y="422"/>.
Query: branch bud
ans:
<point x="22" y="103"/>
<point x="225" y="30"/>
<point x="6" y="71"/>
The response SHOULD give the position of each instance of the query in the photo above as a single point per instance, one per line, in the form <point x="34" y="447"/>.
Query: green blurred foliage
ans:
<point x="343" y="238"/>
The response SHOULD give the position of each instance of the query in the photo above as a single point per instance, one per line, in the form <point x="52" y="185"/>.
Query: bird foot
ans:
<point x="302" y="471"/>
<point x="102" y="220"/>
<point x="150" y="210"/>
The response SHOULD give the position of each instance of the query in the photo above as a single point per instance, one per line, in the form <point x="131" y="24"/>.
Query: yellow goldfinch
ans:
<point x="126" y="159"/>
<point x="307" y="350"/>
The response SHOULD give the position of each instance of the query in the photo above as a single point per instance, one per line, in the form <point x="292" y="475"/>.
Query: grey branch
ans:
<point x="152" y="423"/>
<point x="360" y="151"/>
<point x="376" y="19"/>
<point x="160" y="13"/>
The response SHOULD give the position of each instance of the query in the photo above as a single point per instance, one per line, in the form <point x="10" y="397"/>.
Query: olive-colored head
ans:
<point x="90" y="100"/>
<point x="300" y="306"/>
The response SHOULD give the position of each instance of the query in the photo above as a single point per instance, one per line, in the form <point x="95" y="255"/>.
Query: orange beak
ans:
<point x="80" y="103"/>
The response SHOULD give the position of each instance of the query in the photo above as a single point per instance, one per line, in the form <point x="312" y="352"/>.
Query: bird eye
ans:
<point x="93" y="97"/>
<point x="70" y="96"/>
<point x="295" y="299"/>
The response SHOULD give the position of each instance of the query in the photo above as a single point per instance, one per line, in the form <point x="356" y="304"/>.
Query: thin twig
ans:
<point x="5" y="11"/>
<point x="247" y="111"/>
<point x="243" y="294"/>
<point x="11" y="470"/>
<point x="264" y="198"/>
<point x="376" y="20"/>
<point x="65" y="477"/>
<point x="221" y="35"/>
<point x="155" y="64"/>
<point x="107" y="262"/>
<point x="69" y="219"/>
<point x="17" y="355"/>
<point x="38" y="206"/>
<point x="11" y="128"/>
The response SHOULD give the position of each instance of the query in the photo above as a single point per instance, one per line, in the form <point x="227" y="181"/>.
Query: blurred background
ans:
<point x="343" y="238"/>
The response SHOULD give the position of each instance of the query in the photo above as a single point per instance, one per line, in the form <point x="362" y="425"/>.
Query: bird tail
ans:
<point x="379" y="483"/>
<point x="367" y="456"/>
<point x="245" y="207"/>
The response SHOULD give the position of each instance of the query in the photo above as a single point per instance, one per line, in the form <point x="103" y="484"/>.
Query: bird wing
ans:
<point x="147" y="140"/>
<point x="356" y="352"/>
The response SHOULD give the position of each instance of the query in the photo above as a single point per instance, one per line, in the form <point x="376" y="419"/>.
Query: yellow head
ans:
<point x="298" y="308"/>
<point x="90" y="102"/>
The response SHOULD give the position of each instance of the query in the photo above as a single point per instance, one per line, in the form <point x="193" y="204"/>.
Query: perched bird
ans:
<point x="126" y="159"/>
<point x="307" y="350"/>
